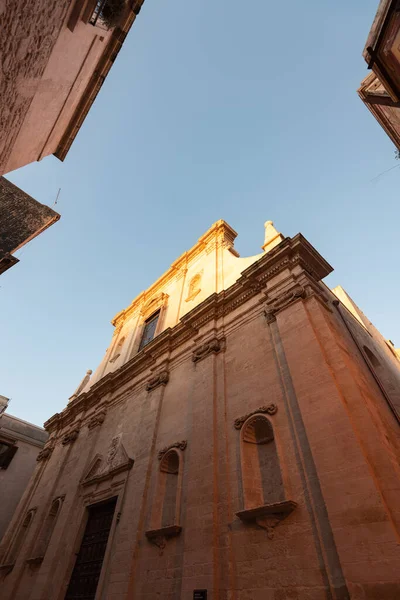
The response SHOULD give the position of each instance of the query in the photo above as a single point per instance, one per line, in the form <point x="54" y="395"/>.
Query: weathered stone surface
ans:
<point x="29" y="32"/>
<point x="21" y="217"/>
<point x="299" y="500"/>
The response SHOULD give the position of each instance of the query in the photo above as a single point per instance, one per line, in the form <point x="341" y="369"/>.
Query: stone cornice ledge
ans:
<point x="288" y="254"/>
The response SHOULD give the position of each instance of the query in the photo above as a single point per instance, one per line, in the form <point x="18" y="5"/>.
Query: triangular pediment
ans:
<point x="115" y="461"/>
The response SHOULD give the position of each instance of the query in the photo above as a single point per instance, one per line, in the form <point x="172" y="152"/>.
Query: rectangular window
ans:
<point x="149" y="330"/>
<point x="7" y="452"/>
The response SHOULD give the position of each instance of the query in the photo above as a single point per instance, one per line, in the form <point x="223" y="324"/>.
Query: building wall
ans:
<point x="50" y="69"/>
<point x="30" y="30"/>
<point x="274" y="344"/>
<point x="29" y="440"/>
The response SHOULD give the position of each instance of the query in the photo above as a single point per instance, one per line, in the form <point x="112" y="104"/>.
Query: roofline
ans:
<point x="96" y="81"/>
<point x="220" y="226"/>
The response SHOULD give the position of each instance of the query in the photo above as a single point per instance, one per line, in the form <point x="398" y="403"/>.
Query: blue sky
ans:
<point x="213" y="109"/>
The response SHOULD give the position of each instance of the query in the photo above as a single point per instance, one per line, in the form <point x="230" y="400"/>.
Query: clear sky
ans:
<point x="245" y="111"/>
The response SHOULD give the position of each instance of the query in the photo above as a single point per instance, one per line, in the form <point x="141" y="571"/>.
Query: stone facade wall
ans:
<point x="273" y="348"/>
<point x="29" y="32"/>
<point x="29" y="440"/>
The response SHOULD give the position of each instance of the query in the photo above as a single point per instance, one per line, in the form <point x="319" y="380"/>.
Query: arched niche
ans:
<point x="47" y="531"/>
<point x="261" y="473"/>
<point x="20" y="539"/>
<point x="264" y="496"/>
<point x="165" y="518"/>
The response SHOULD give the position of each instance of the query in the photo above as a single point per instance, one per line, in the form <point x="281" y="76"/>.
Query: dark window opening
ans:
<point x="7" y="452"/>
<point x="149" y="330"/>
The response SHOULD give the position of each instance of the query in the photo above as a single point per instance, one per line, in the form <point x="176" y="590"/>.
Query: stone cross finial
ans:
<point x="272" y="236"/>
<point x="82" y="384"/>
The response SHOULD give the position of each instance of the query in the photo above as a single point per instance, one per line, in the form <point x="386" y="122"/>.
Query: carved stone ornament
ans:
<point x="283" y="301"/>
<point x="45" y="453"/>
<point x="116" y="461"/>
<point x="269" y="515"/>
<point x="160" y="379"/>
<point x="271" y="409"/>
<point x="70" y="437"/>
<point x="180" y="445"/>
<point x="212" y="346"/>
<point x="96" y="420"/>
<point x="159" y="537"/>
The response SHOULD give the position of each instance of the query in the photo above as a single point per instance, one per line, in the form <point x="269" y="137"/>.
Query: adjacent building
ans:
<point x="380" y="91"/>
<point x="240" y="439"/>
<point x="20" y="445"/>
<point x="22" y="218"/>
<point x="54" y="59"/>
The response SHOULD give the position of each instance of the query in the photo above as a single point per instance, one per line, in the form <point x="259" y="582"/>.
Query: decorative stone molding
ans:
<point x="194" y="287"/>
<point x="180" y="445"/>
<point x="291" y="253"/>
<point x="269" y="515"/>
<point x="159" y="379"/>
<point x="271" y="409"/>
<point x="116" y="461"/>
<point x="96" y="420"/>
<point x="283" y="301"/>
<point x="212" y="346"/>
<point x="45" y="453"/>
<point x="70" y="437"/>
<point x="159" y="537"/>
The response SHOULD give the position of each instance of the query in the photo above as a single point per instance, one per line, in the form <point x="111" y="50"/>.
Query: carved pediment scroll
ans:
<point x="179" y="445"/>
<point x="271" y="409"/>
<point x="116" y="461"/>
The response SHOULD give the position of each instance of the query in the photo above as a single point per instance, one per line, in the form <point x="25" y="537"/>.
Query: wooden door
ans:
<point x="89" y="561"/>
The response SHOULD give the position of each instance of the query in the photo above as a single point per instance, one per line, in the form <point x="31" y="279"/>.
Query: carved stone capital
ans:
<point x="271" y="409"/>
<point x="70" y="437"/>
<point x="180" y="445"/>
<point x="213" y="346"/>
<point x="159" y="379"/>
<point x="96" y="420"/>
<point x="45" y="453"/>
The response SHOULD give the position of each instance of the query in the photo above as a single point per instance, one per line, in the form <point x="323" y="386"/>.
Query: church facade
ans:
<point x="239" y="440"/>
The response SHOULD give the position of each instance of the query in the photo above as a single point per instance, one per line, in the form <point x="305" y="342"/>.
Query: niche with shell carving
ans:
<point x="165" y="518"/>
<point x="263" y="487"/>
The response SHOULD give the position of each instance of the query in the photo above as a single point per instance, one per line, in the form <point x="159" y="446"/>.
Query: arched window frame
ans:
<point x="155" y="305"/>
<point x="21" y="537"/>
<point x="47" y="530"/>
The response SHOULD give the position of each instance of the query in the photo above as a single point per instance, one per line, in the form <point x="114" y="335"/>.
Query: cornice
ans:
<point x="290" y="253"/>
<point x="219" y="233"/>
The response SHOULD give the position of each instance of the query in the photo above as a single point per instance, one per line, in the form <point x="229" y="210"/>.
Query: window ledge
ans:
<point x="160" y="536"/>
<point x="268" y="516"/>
